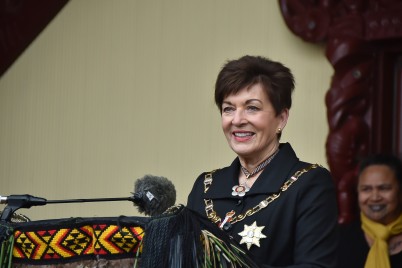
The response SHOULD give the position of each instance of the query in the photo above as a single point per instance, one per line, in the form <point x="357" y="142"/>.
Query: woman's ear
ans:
<point x="283" y="116"/>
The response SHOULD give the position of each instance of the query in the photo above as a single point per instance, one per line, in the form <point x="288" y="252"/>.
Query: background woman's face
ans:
<point x="379" y="194"/>
<point x="249" y="122"/>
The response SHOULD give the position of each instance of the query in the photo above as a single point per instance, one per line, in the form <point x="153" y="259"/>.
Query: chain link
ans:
<point x="209" y="205"/>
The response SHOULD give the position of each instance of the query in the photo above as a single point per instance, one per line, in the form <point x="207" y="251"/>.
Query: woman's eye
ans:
<point x="252" y="108"/>
<point x="364" y="189"/>
<point x="227" y="109"/>
<point x="386" y="188"/>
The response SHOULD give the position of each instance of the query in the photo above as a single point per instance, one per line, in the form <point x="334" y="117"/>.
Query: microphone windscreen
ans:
<point x="153" y="195"/>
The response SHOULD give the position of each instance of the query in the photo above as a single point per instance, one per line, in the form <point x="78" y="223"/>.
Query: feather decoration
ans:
<point x="180" y="238"/>
<point x="6" y="244"/>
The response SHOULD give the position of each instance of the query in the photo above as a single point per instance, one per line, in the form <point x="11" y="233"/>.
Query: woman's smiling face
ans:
<point x="379" y="194"/>
<point x="250" y="123"/>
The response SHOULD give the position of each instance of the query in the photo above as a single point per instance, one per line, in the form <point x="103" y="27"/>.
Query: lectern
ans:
<point x="177" y="238"/>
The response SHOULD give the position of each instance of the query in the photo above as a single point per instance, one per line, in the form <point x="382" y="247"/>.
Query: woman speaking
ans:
<point x="282" y="210"/>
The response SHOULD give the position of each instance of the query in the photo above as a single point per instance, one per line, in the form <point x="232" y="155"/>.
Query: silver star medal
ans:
<point x="252" y="235"/>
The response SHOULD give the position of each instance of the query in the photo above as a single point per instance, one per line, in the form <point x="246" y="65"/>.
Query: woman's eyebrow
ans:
<point x="251" y="100"/>
<point x="246" y="102"/>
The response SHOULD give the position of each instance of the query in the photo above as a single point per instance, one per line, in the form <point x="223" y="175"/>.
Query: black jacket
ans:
<point x="300" y="226"/>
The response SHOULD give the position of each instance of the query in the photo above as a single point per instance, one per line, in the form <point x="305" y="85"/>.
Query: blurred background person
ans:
<point x="374" y="240"/>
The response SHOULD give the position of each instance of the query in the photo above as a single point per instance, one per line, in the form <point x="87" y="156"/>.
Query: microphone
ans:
<point x="23" y="201"/>
<point x="15" y="202"/>
<point x="153" y="195"/>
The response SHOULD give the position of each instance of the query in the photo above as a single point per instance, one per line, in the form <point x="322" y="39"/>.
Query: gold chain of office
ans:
<point x="209" y="205"/>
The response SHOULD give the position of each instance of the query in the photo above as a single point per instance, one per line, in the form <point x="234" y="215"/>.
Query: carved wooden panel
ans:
<point x="20" y="23"/>
<point x="363" y="41"/>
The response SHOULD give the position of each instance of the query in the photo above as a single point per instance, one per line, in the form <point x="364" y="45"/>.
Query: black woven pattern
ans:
<point x="156" y="243"/>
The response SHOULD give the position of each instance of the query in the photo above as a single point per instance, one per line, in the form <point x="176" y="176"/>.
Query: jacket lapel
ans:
<point x="270" y="180"/>
<point x="223" y="181"/>
<point x="277" y="172"/>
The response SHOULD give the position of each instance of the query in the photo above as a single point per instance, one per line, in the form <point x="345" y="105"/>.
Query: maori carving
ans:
<point x="351" y="30"/>
<point x="20" y="23"/>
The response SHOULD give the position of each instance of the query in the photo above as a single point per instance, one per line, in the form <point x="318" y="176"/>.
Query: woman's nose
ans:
<point x="239" y="117"/>
<point x="375" y="195"/>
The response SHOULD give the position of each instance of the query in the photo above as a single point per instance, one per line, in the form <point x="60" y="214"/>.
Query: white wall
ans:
<point x="114" y="90"/>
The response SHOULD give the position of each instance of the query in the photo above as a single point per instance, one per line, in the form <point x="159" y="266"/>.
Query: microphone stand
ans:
<point x="131" y="198"/>
<point x="15" y="202"/>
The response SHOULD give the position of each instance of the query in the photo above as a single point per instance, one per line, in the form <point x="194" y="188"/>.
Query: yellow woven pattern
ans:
<point x="98" y="239"/>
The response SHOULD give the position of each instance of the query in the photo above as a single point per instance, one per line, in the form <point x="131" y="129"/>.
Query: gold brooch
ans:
<point x="252" y="235"/>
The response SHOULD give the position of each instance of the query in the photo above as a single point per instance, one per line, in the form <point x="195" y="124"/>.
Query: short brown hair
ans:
<point x="276" y="79"/>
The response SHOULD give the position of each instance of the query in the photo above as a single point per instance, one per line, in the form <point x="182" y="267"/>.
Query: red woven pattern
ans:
<point x="97" y="239"/>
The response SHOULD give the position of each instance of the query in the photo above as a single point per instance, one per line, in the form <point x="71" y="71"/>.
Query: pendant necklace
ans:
<point x="241" y="189"/>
